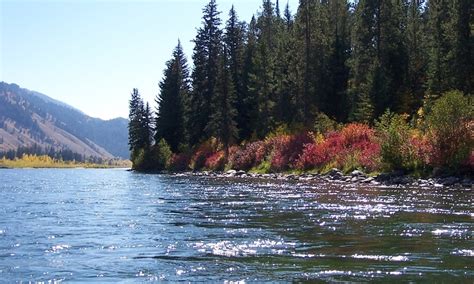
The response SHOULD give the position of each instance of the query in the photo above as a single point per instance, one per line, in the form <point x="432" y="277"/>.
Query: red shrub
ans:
<point x="286" y="150"/>
<point x="216" y="162"/>
<point x="200" y="156"/>
<point x="355" y="145"/>
<point x="248" y="156"/>
<point x="418" y="151"/>
<point x="370" y="155"/>
<point x="314" y="155"/>
<point x="179" y="162"/>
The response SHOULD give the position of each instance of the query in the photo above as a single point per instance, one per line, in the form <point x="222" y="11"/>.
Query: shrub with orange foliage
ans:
<point x="216" y="161"/>
<point x="198" y="159"/>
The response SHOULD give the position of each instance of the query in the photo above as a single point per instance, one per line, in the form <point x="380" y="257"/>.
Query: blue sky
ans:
<point x="90" y="54"/>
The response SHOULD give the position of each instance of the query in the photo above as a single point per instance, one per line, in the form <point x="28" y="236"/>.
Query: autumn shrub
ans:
<point x="417" y="151"/>
<point x="216" y="161"/>
<point x="352" y="147"/>
<point x="286" y="150"/>
<point x="179" y="162"/>
<point x="204" y="151"/>
<point x="248" y="156"/>
<point x="314" y="155"/>
<point x="450" y="130"/>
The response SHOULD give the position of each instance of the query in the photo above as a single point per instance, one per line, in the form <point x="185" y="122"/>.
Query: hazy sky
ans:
<point x="90" y="54"/>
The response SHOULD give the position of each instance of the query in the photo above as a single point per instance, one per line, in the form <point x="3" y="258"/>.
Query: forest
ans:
<point x="372" y="85"/>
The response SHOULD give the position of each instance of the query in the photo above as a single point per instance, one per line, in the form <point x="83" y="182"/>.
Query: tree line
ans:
<point x="349" y="61"/>
<point x="65" y="155"/>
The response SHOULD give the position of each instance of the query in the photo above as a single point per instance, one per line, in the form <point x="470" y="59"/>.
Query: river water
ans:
<point x="115" y="225"/>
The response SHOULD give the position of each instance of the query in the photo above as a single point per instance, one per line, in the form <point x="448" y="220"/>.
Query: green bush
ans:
<point x="449" y="126"/>
<point x="139" y="159"/>
<point x="161" y="154"/>
<point x="394" y="134"/>
<point x="324" y="123"/>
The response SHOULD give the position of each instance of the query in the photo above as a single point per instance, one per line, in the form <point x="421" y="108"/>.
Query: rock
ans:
<point x="357" y="173"/>
<point x="401" y="180"/>
<point x="449" y="181"/>
<point x="240" y="173"/>
<point x="291" y="177"/>
<point x="383" y="177"/>
<point x="354" y="179"/>
<point x="368" y="180"/>
<point x="335" y="173"/>
<point x="467" y="182"/>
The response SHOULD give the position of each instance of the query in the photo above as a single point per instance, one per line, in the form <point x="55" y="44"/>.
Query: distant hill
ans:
<point x="28" y="118"/>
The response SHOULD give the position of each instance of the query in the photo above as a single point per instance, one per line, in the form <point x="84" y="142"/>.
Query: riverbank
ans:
<point x="355" y="177"/>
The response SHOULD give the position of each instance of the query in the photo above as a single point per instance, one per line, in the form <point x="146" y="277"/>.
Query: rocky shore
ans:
<point x="355" y="177"/>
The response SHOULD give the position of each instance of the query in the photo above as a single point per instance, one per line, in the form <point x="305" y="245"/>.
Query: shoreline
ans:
<point x="336" y="176"/>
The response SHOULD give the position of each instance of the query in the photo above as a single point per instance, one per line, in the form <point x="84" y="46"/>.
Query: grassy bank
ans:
<point x="33" y="161"/>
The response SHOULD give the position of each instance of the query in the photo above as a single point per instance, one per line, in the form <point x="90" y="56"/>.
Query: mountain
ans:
<point x="28" y="118"/>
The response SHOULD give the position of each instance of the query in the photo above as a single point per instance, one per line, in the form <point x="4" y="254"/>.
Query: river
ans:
<point x="114" y="225"/>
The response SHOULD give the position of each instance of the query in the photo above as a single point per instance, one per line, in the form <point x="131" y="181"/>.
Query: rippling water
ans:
<point x="114" y="225"/>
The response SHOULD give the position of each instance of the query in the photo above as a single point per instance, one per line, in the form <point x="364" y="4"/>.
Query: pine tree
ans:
<point x="361" y="63"/>
<point x="140" y="132"/>
<point x="247" y="114"/>
<point x="262" y="81"/>
<point x="174" y="89"/>
<point x="339" y="54"/>
<point x="136" y="137"/>
<point x="417" y="61"/>
<point x="234" y="38"/>
<point x="205" y="58"/>
<point x="285" y="64"/>
<point x="450" y="45"/>
<point x="222" y="124"/>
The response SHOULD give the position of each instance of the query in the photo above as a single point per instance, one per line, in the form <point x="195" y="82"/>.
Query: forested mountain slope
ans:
<point x="28" y="118"/>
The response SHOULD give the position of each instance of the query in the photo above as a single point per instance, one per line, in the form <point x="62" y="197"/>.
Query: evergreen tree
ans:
<point x="262" y="81"/>
<point x="205" y="58"/>
<point x="174" y="89"/>
<point x="379" y="60"/>
<point x="222" y="124"/>
<point x="361" y="63"/>
<point x="339" y="54"/>
<point x="234" y="38"/>
<point x="417" y="61"/>
<point x="138" y="130"/>
<point x="450" y="65"/>
<point x="247" y="114"/>
<point x="285" y="65"/>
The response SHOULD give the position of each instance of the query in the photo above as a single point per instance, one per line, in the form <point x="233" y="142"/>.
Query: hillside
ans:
<point x="28" y="118"/>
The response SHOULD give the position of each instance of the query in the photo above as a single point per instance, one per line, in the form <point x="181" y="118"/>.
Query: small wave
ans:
<point x="381" y="257"/>
<point x="464" y="252"/>
<point x="58" y="248"/>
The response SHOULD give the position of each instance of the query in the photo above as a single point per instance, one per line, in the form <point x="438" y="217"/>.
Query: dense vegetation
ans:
<point x="376" y="85"/>
<point x="36" y="150"/>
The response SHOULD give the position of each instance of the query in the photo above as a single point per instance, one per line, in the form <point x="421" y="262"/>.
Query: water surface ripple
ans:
<point x="114" y="225"/>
